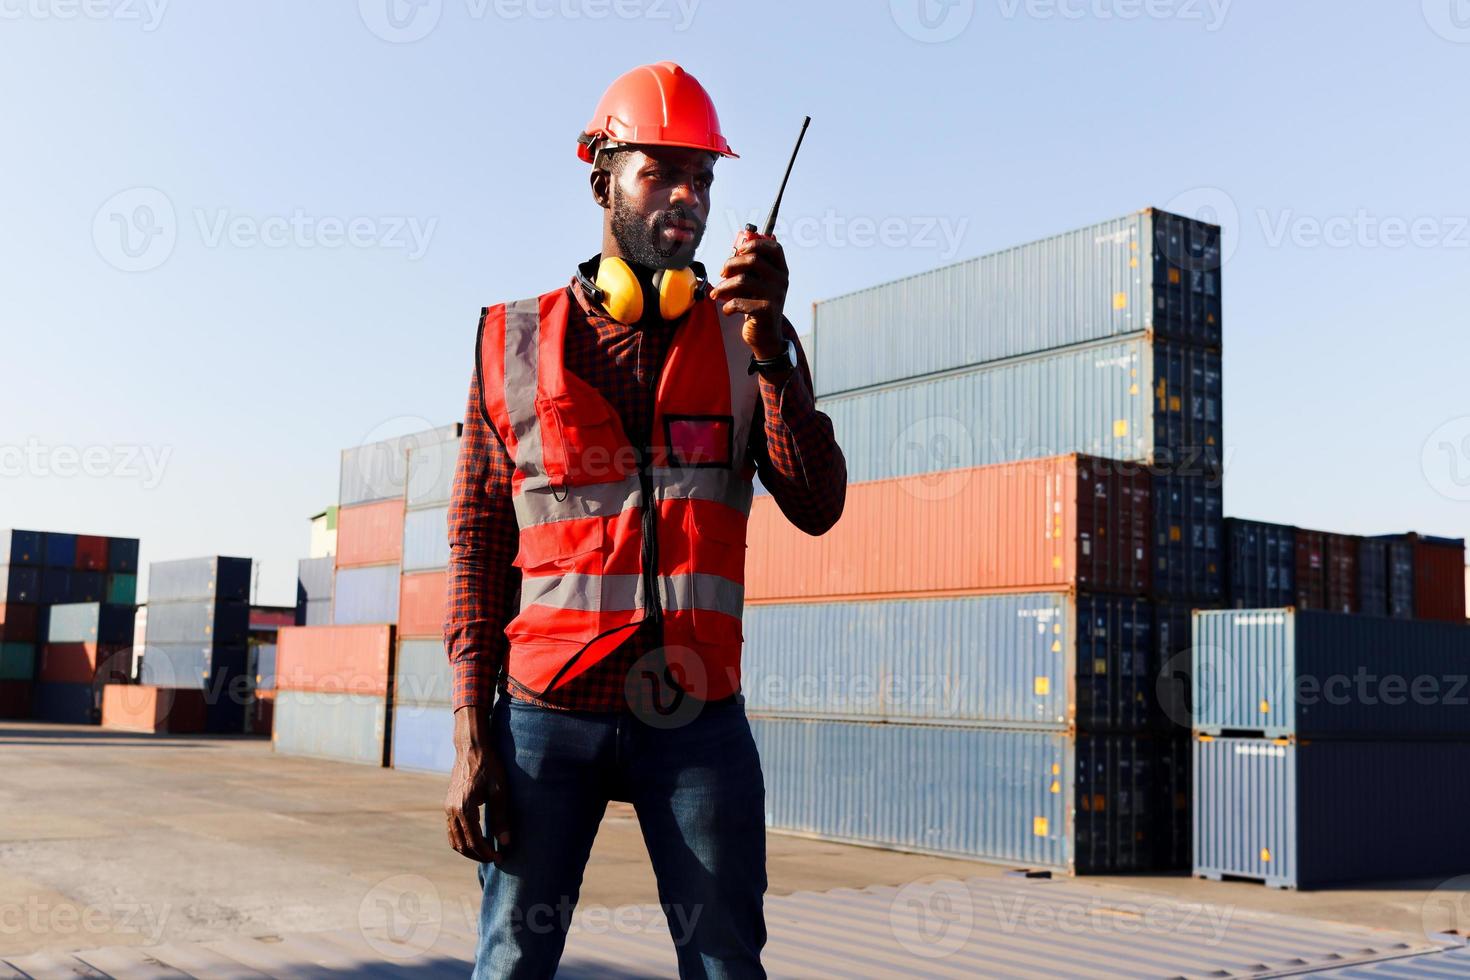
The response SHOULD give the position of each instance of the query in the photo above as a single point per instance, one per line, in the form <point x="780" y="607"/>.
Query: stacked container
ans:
<point x="980" y="629"/>
<point x="332" y="692"/>
<point x="314" y="577"/>
<point x="88" y="645"/>
<point x="1326" y="746"/>
<point x="197" y="632"/>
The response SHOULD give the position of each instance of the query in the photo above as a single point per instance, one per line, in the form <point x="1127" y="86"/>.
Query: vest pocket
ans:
<point x="582" y="442"/>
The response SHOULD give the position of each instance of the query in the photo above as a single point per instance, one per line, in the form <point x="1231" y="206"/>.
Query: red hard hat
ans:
<point x="655" y="105"/>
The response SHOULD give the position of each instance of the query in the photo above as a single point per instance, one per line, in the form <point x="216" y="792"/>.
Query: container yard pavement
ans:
<point x="114" y="840"/>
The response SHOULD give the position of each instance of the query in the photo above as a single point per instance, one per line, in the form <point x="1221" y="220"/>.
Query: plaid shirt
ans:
<point x="795" y="453"/>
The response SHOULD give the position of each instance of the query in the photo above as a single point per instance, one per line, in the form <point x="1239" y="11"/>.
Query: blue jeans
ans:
<point x="700" y="800"/>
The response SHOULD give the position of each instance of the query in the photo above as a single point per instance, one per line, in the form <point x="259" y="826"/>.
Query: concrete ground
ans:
<point x="109" y="839"/>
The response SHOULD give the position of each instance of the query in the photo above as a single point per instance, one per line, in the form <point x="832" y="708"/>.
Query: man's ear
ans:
<point x="601" y="187"/>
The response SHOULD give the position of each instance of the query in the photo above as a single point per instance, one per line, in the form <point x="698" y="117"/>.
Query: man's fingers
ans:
<point x="497" y="815"/>
<point x="476" y="846"/>
<point x="768" y="249"/>
<point x="748" y="306"/>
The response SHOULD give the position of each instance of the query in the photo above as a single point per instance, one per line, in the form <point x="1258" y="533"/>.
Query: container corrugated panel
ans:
<point x="84" y="663"/>
<point x="1051" y="524"/>
<point x="422" y="675"/>
<point x="21" y="547"/>
<point x="379" y="470"/>
<point x="317" y="612"/>
<point x="431" y="473"/>
<point x="354" y="659"/>
<point x="122" y="555"/>
<point x="1306" y="814"/>
<point x="1329" y="675"/>
<point x="91" y="553"/>
<point x="1260" y="562"/>
<point x="1039" y="659"/>
<point x="200" y="578"/>
<point x="344" y="728"/>
<point x="91" y="622"/>
<point x="1342" y="572"/>
<point x="202" y="622"/>
<point x="370" y="534"/>
<point x="426" y="539"/>
<point x="121" y="587"/>
<point x="1173" y="665"/>
<point x="1139" y="399"/>
<point x="20" y="583"/>
<point x="71" y="704"/>
<point x="314" y="579"/>
<point x="1311" y="569"/>
<point x="1373" y="576"/>
<point x="1188" y="522"/>
<point x="1400" y="576"/>
<point x="423" y="737"/>
<point x="365" y="595"/>
<point x="421" y="604"/>
<point x="60" y="549"/>
<point x="1173" y="813"/>
<point x="1146" y="271"/>
<point x="1439" y="578"/>
<point x="18" y="622"/>
<point x="17" y="661"/>
<point x="220" y="671"/>
<point x="262" y="666"/>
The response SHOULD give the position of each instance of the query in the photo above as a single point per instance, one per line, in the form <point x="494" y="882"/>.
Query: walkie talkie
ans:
<point x="749" y="233"/>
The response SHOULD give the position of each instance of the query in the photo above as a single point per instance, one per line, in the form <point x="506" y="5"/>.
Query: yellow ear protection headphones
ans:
<point x="621" y="290"/>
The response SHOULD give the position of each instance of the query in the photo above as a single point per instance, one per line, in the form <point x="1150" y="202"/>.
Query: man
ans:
<point x="597" y="535"/>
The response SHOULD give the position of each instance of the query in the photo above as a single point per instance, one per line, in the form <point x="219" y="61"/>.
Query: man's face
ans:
<point x="660" y="200"/>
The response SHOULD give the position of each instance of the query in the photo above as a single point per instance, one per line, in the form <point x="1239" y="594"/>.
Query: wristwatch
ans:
<point x="780" y="364"/>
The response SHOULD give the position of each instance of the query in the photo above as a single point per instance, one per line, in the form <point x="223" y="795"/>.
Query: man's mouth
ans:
<point x="679" y="230"/>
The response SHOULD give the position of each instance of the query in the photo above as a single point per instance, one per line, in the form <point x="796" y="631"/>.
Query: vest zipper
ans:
<point x="653" y="601"/>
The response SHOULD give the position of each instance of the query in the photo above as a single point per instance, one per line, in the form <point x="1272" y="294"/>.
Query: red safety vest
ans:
<point x="586" y="501"/>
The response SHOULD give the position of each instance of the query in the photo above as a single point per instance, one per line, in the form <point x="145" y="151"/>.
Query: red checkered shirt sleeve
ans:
<point x="796" y="452"/>
<point x="484" y="585"/>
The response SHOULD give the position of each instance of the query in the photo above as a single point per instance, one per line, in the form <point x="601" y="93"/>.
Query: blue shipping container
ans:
<point x="21" y="547"/>
<point x="317" y="612"/>
<point x="1260" y="564"/>
<point x="20" y="583"/>
<point x="55" y="585"/>
<point x="426" y="539"/>
<point x="341" y="727"/>
<point x="60" y="549"/>
<point x="421" y="674"/>
<point x="366" y="595"/>
<point x="431" y="473"/>
<point x="122" y="555"/>
<point x="70" y="704"/>
<point x="423" y="737"/>
<point x="84" y="586"/>
<point x="1189" y="515"/>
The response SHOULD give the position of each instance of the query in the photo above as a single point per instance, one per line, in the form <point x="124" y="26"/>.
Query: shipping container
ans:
<point x="1173" y="666"/>
<point x="1147" y="271"/>
<point x="1047" y="659"/>
<point x="261" y="666"/>
<point x="17" y="661"/>
<point x="86" y="586"/>
<point x="426" y="539"/>
<point x="317" y="612"/>
<point x="265" y="620"/>
<point x="379" y="470"/>
<point x="91" y="553"/>
<point x="198" y="621"/>
<point x="1439" y="578"/>
<point x="219" y="671"/>
<point x="1306" y="814"/>
<point x="20" y="583"/>
<point x="314" y="579"/>
<point x="340" y="727"/>
<point x="421" y="604"/>
<point x="1311" y="569"/>
<point x="15" y="699"/>
<point x="431" y="473"/>
<point x="370" y="534"/>
<point x="421" y="673"/>
<point x="1330" y="675"/>
<point x="354" y="659"/>
<point x="1342" y="572"/>
<point x="140" y="708"/>
<point x="70" y="704"/>
<point x="200" y="578"/>
<point x="1031" y="798"/>
<point x="122" y="555"/>
<point x="365" y="595"/>
<point x="1142" y="399"/>
<point x="1173" y="812"/>
<point x="60" y="549"/>
<point x="423" y="737"/>
<point x="56" y="585"/>
<point x="1067" y="522"/>
<point x="18" y="622"/>
<point x="1188" y="522"/>
<point x="91" y="622"/>
<point x="1260" y="564"/>
<point x="84" y="663"/>
<point x="122" y="588"/>
<point x="260" y="713"/>
<point x="1372" y="577"/>
<point x="21" y="547"/>
<point x="1400" y="576"/>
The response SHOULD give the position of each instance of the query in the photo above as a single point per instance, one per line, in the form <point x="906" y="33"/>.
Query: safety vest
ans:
<point x="611" y="537"/>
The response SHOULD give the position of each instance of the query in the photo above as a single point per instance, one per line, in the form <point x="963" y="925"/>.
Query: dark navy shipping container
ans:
<point x="20" y="583"/>
<point x="1260" y="564"/>
<point x="85" y="586"/>
<point x="1311" y="569"/>
<point x="21" y="547"/>
<point x="60" y="549"/>
<point x="200" y="578"/>
<point x="71" y="704"/>
<point x="1372" y="577"/>
<point x="1399" y="575"/>
<point x="90" y="622"/>
<point x="198" y="622"/>
<point x="122" y="555"/>
<point x="1342" y="572"/>
<point x="1188" y="537"/>
<point x="55" y="585"/>
<point x="1173" y="803"/>
<point x="1306" y="814"/>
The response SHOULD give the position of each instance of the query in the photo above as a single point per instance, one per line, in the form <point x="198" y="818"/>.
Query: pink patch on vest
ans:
<point x="699" y="441"/>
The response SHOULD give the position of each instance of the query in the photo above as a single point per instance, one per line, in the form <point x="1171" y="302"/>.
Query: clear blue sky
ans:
<point x="251" y="364"/>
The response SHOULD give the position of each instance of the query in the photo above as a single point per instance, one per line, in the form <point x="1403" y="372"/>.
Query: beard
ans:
<point x="641" y="236"/>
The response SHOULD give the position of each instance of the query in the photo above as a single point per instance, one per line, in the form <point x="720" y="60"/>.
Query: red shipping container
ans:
<point x="335" y="659"/>
<point x="370" y="534"/>
<point x="17" y="622"/>
<point x="421" y="602"/>
<point x="144" y="708"/>
<point x="1068" y="522"/>
<point x="266" y="618"/>
<point x="1311" y="569"/>
<point x="1439" y="578"/>
<point x="84" y="663"/>
<point x="91" y="553"/>
<point x="15" y="699"/>
<point x="1342" y="573"/>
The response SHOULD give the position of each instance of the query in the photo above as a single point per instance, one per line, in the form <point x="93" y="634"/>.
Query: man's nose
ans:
<point x="684" y="193"/>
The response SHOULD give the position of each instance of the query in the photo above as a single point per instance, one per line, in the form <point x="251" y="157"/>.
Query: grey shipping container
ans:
<point x="262" y="666"/>
<point x="1138" y="399"/>
<point x="423" y="737"/>
<point x="421" y="674"/>
<point x="366" y="595"/>
<point x="220" y="671"/>
<point x="1038" y="799"/>
<point x="197" y="621"/>
<point x="200" y="578"/>
<point x="425" y="539"/>
<point x="1305" y="814"/>
<point x="317" y="612"/>
<point x="90" y="622"/>
<point x="314" y="578"/>
<point x="1319" y="674"/>
<point x="431" y="473"/>
<point x="379" y="470"/>
<point x="1147" y="271"/>
<point x="343" y="727"/>
<point x="1048" y="660"/>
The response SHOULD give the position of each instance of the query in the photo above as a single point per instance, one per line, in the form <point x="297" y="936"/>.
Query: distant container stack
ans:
<point x="333" y="685"/>
<point x="1033" y="441"/>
